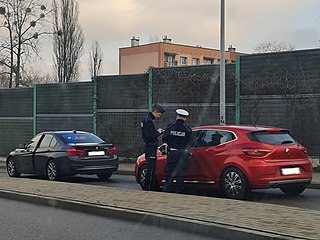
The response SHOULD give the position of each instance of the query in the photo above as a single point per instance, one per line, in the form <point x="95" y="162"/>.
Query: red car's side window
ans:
<point x="210" y="138"/>
<point x="199" y="138"/>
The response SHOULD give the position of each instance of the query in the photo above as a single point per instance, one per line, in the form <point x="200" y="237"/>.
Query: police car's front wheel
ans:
<point x="12" y="168"/>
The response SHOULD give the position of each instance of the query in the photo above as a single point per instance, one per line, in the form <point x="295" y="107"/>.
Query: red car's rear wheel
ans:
<point x="234" y="184"/>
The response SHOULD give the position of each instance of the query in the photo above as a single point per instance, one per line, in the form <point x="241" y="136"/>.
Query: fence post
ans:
<point x="150" y="90"/>
<point x="237" y="93"/>
<point x="34" y="109"/>
<point x="94" y="102"/>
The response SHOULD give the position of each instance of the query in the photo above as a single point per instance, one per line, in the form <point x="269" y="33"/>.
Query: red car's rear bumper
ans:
<point x="262" y="174"/>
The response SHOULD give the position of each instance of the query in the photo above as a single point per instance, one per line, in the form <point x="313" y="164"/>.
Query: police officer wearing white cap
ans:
<point x="179" y="138"/>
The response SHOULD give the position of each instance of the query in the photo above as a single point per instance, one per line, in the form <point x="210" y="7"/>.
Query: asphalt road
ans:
<point x="309" y="199"/>
<point x="27" y="221"/>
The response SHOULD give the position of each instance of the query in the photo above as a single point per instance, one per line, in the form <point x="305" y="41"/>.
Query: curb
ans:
<point x="222" y="231"/>
<point x="124" y="172"/>
<point x="313" y="186"/>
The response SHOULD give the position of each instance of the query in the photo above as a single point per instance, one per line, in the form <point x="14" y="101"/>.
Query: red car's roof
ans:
<point x="246" y="128"/>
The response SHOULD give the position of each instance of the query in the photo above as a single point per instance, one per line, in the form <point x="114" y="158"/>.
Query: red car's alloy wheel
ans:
<point x="234" y="184"/>
<point x="142" y="175"/>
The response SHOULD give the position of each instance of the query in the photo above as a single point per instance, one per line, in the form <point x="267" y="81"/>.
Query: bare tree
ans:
<point x="95" y="59"/>
<point x="4" y="73"/>
<point x="273" y="46"/>
<point x="68" y="44"/>
<point x="35" y="76"/>
<point x="21" y="24"/>
<point x="4" y="77"/>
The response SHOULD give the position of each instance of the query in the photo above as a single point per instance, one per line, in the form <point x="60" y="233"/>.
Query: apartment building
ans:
<point x="138" y="58"/>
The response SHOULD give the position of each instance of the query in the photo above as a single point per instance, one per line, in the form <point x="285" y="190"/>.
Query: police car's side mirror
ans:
<point x="163" y="149"/>
<point x="22" y="146"/>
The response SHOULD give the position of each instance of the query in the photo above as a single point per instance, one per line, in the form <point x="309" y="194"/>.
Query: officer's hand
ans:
<point x="160" y="130"/>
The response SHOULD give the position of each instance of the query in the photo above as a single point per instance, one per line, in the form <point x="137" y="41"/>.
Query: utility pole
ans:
<point x="222" y="67"/>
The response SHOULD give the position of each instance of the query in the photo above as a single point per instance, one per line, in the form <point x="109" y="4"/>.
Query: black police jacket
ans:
<point x="178" y="135"/>
<point x="149" y="131"/>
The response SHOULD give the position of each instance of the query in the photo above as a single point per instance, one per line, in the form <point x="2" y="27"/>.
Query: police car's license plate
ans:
<point x="96" y="153"/>
<point x="290" y="171"/>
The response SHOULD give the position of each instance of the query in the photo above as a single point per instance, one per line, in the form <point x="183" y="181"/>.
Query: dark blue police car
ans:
<point x="64" y="153"/>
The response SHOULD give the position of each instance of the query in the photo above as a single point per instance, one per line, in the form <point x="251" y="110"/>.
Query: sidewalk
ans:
<point x="216" y="217"/>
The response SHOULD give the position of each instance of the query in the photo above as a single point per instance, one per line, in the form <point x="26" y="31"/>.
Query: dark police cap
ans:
<point x="158" y="107"/>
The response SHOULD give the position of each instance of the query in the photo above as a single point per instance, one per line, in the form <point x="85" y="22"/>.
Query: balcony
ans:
<point x="170" y="64"/>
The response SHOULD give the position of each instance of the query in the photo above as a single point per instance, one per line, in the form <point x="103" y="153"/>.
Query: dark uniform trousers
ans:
<point x="177" y="162"/>
<point x="151" y="158"/>
<point x="150" y="139"/>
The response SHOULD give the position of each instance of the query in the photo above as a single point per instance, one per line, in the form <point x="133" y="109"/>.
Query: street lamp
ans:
<point x="222" y="67"/>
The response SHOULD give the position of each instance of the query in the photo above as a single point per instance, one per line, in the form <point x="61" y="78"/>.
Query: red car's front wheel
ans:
<point x="142" y="175"/>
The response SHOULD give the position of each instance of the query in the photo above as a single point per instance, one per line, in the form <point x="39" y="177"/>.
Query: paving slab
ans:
<point x="216" y="217"/>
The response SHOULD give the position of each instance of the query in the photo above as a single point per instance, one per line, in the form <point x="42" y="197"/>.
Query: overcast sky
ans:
<point x="195" y="22"/>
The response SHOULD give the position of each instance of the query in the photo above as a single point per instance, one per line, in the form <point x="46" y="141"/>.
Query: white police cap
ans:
<point x="182" y="112"/>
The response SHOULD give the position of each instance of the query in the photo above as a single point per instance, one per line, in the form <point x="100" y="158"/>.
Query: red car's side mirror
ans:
<point x="163" y="149"/>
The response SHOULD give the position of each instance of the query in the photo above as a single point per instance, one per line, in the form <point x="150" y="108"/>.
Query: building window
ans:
<point x="169" y="60"/>
<point x="183" y="61"/>
<point x="208" y="61"/>
<point x="195" y="61"/>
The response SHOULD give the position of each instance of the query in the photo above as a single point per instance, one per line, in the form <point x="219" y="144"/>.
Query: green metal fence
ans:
<point x="280" y="89"/>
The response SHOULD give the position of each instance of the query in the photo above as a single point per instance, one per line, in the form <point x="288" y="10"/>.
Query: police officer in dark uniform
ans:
<point x="179" y="138"/>
<point x="150" y="138"/>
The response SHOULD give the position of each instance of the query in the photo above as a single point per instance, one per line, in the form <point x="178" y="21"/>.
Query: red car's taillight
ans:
<point x="75" y="152"/>
<point x="303" y="148"/>
<point x="256" y="152"/>
<point x="111" y="151"/>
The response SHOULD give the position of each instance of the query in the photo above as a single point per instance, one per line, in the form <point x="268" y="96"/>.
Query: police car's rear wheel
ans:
<point x="104" y="176"/>
<point x="52" y="171"/>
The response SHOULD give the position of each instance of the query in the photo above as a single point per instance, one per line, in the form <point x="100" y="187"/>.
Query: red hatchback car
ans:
<point x="236" y="159"/>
